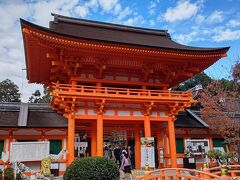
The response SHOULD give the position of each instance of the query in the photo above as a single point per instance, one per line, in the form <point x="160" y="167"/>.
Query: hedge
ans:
<point x="96" y="168"/>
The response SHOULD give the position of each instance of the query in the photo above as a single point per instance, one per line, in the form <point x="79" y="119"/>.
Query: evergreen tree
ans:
<point x="201" y="78"/>
<point x="38" y="98"/>
<point x="9" y="92"/>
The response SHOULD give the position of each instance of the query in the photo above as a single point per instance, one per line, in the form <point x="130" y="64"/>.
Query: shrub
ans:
<point x="8" y="174"/>
<point x="96" y="168"/>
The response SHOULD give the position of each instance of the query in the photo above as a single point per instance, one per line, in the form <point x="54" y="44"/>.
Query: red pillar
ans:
<point x="147" y="126"/>
<point x="159" y="145"/>
<point x="100" y="135"/>
<point x="93" y="140"/>
<point x="166" y="149"/>
<point x="71" y="135"/>
<point x="137" y="147"/>
<point x="172" y="143"/>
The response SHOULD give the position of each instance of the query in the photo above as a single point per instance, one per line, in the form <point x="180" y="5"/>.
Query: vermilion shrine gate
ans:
<point x="107" y="77"/>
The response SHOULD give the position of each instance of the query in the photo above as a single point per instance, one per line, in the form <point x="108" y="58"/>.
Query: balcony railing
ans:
<point x="68" y="90"/>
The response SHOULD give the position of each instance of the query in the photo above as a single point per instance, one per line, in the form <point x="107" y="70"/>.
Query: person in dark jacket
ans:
<point x="117" y="154"/>
<point x="110" y="152"/>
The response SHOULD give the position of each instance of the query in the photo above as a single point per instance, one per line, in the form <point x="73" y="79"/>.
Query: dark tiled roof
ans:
<point x="9" y="118"/>
<point x="186" y="120"/>
<point x="45" y="119"/>
<point x="115" y="33"/>
<point x="39" y="115"/>
<point x="118" y="33"/>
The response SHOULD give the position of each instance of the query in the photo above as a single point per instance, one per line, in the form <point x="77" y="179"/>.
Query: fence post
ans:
<point x="224" y="170"/>
<point x="205" y="176"/>
<point x="146" y="175"/>
<point x="224" y="177"/>
<point x="138" y="178"/>
<point x="224" y="173"/>
<point x="233" y="174"/>
<point x="178" y="173"/>
<point x="162" y="176"/>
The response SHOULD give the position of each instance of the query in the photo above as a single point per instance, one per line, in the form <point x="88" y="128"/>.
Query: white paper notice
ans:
<point x="147" y="152"/>
<point x="191" y="160"/>
<point x="29" y="151"/>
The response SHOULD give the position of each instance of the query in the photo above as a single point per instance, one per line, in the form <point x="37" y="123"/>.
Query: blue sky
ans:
<point x="208" y="23"/>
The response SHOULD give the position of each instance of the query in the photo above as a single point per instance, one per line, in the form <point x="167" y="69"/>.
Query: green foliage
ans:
<point x="200" y="78"/>
<point x="223" y="158"/>
<point x="8" y="174"/>
<point x="214" y="154"/>
<point x="9" y="92"/>
<point x="228" y="85"/>
<point x="96" y="168"/>
<point x="37" y="98"/>
<point x="228" y="155"/>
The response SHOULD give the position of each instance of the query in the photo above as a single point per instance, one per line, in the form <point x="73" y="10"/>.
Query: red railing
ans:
<point x="233" y="170"/>
<point x="108" y="92"/>
<point x="178" y="174"/>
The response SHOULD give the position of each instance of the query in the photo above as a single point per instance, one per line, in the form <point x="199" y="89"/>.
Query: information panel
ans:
<point x="197" y="146"/>
<point x="147" y="152"/>
<point x="29" y="151"/>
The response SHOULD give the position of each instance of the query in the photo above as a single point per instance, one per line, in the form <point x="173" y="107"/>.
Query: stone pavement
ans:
<point x="135" y="172"/>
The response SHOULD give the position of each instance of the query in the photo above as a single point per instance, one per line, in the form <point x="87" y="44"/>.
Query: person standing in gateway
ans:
<point x="117" y="154"/>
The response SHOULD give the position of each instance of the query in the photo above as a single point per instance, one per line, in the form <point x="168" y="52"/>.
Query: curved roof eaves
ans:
<point x="163" y="43"/>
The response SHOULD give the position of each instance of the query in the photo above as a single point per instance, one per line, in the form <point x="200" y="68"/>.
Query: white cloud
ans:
<point x="10" y="12"/>
<point x="152" y="7"/>
<point x="206" y="31"/>
<point x="42" y="10"/>
<point x="152" y="22"/>
<point x="117" y="9"/>
<point x="92" y="4"/>
<point x="188" y="37"/>
<point x="215" y="17"/>
<point x="108" y="5"/>
<point x="233" y="23"/>
<point x="126" y="12"/>
<point x="185" y="38"/>
<point x="226" y="35"/>
<point x="128" y="16"/>
<point x="199" y="19"/>
<point x="134" y="20"/>
<point x="82" y="11"/>
<point x="182" y="11"/>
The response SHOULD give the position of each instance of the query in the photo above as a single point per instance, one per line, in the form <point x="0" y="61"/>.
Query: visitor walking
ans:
<point x="131" y="156"/>
<point x="126" y="165"/>
<point x="106" y="152"/>
<point x="117" y="154"/>
<point x="110" y="152"/>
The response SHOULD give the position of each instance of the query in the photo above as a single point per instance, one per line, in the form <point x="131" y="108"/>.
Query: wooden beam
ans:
<point x="128" y="83"/>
